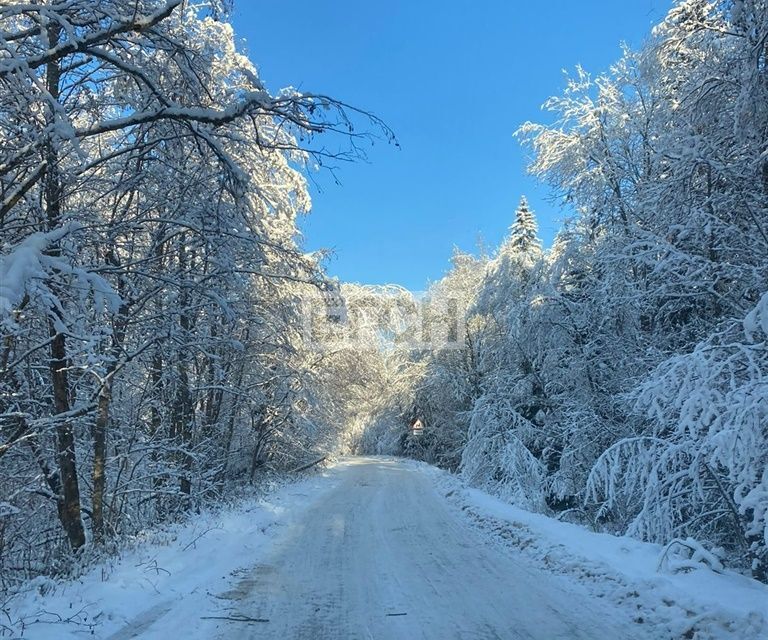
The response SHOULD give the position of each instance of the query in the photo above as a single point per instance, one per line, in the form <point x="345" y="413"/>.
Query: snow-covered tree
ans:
<point x="151" y="271"/>
<point x="501" y="430"/>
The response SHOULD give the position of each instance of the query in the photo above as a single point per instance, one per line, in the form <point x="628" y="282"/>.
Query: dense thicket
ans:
<point x="153" y="350"/>
<point x="622" y="375"/>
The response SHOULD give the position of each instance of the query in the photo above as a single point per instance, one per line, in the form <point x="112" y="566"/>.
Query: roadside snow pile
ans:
<point x="680" y="589"/>
<point x="165" y="581"/>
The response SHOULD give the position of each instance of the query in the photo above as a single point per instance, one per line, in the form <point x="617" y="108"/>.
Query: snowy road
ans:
<point x="383" y="555"/>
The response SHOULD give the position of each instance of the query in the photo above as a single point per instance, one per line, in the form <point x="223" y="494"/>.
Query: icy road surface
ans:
<point x="383" y="555"/>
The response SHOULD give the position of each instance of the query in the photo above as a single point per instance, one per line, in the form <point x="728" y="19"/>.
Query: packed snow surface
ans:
<point x="390" y="549"/>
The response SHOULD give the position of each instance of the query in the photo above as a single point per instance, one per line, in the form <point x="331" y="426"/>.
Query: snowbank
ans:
<point x="165" y="581"/>
<point x="677" y="597"/>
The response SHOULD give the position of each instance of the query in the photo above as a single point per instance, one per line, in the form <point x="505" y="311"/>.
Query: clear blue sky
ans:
<point x="454" y="79"/>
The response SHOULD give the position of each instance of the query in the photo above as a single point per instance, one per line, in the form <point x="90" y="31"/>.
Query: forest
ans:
<point x="166" y="341"/>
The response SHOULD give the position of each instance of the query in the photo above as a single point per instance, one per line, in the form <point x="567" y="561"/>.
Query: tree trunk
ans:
<point x="183" y="411"/>
<point x="69" y="497"/>
<point x="98" y="475"/>
<point x="99" y="429"/>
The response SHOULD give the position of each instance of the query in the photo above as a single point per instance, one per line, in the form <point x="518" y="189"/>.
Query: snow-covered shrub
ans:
<point x="495" y="458"/>
<point x="687" y="555"/>
<point x="702" y="470"/>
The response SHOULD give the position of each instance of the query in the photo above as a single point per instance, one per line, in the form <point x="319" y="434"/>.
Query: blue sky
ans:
<point x="453" y="79"/>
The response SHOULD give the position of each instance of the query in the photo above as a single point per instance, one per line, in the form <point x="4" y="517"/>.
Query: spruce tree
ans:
<point x="523" y="234"/>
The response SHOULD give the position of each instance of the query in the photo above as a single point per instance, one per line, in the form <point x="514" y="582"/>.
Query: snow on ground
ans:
<point x="387" y="548"/>
<point x="694" y="602"/>
<point x="384" y="556"/>
<point x="158" y="589"/>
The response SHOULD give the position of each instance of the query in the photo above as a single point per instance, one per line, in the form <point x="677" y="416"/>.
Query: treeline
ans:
<point x="153" y="350"/>
<point x="620" y="378"/>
